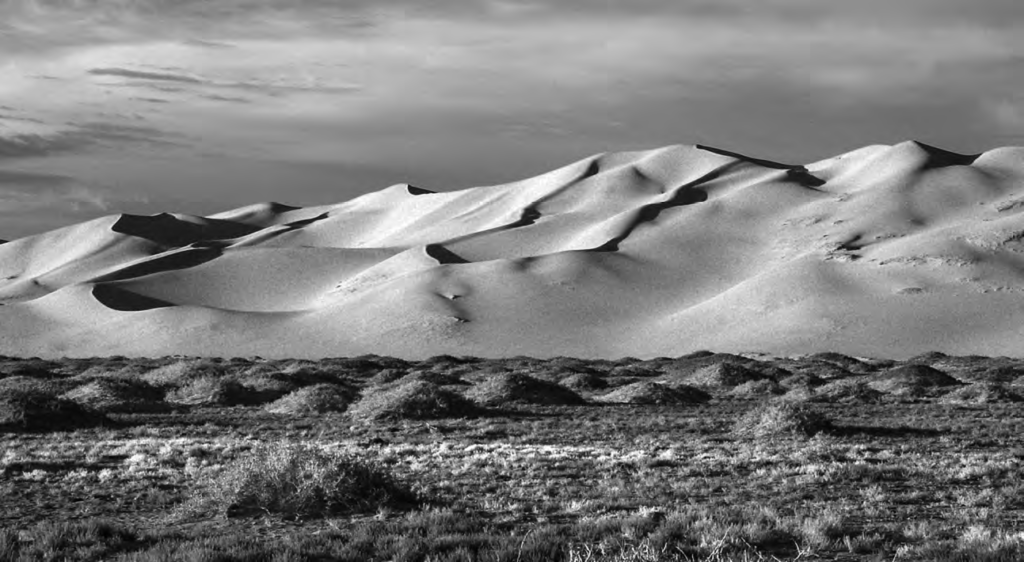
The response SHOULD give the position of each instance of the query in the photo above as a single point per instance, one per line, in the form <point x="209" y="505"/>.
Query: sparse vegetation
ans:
<point x="415" y="400"/>
<point x="408" y="470"/>
<point x="781" y="419"/>
<point x="297" y="481"/>
<point x="317" y="399"/>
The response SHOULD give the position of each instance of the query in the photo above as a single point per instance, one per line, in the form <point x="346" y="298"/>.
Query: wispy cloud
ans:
<point x="145" y="75"/>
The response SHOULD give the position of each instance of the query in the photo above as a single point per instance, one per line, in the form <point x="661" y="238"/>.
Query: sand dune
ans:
<point x="882" y="251"/>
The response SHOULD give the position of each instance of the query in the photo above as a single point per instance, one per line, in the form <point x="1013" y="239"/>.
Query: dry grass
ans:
<point x="906" y="481"/>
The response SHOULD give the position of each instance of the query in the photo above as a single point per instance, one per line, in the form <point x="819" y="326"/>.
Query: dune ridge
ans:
<point x="882" y="251"/>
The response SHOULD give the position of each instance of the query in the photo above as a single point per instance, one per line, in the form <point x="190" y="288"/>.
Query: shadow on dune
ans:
<point x="126" y="301"/>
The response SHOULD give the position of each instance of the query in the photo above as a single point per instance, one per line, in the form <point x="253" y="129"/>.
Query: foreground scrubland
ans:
<point x="700" y="457"/>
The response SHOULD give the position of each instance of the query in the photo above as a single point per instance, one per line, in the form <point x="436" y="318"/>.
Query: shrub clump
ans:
<point x="782" y="419"/>
<point x="757" y="389"/>
<point x="846" y="391"/>
<point x="211" y="391"/>
<point x="118" y="395"/>
<point x="182" y="372"/>
<point x="982" y="393"/>
<point x="297" y="481"/>
<point x="586" y="382"/>
<point x="34" y="409"/>
<point x="517" y="388"/>
<point x="416" y="400"/>
<point x="317" y="399"/>
<point x="911" y="380"/>
<point x="645" y="392"/>
<point x="723" y="376"/>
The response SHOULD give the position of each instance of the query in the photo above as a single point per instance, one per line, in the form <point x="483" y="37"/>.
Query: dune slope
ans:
<point x="883" y="251"/>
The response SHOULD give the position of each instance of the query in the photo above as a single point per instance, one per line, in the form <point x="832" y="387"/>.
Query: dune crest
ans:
<point x="881" y="251"/>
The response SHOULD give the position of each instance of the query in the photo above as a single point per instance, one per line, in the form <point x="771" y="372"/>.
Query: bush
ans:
<point x="298" y="481"/>
<point x="721" y="376"/>
<point x="645" y="392"/>
<point x="512" y="388"/>
<point x="417" y="400"/>
<point x="755" y="389"/>
<point x="32" y="409"/>
<point x="316" y="399"/>
<point x="212" y="391"/>
<point x="781" y="420"/>
<point x="118" y="395"/>
<point x="182" y="372"/>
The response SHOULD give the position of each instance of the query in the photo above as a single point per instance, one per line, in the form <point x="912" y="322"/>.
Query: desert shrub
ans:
<point x="645" y="392"/>
<point x="719" y="375"/>
<point x="1004" y="375"/>
<point x="211" y="391"/>
<point x="386" y="376"/>
<point x="801" y="380"/>
<point x="183" y="372"/>
<point x="433" y="377"/>
<point x="757" y="389"/>
<point x="846" y="391"/>
<point x="416" y="400"/>
<point x="517" y="388"/>
<point x="823" y="370"/>
<point x="316" y="399"/>
<point x="638" y="370"/>
<point x="584" y="382"/>
<point x="33" y="409"/>
<point x="781" y="419"/>
<point x="267" y="387"/>
<point x="297" y="481"/>
<point x="118" y="395"/>
<point x="52" y="385"/>
<point x="36" y="368"/>
<point x="982" y="393"/>
<point x="844" y="361"/>
<point x="910" y="379"/>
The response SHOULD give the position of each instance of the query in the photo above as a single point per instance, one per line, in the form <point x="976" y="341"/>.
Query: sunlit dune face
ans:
<point x="147" y="105"/>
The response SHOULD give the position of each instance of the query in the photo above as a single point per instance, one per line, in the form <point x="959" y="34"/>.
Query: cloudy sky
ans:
<point x="203" y="105"/>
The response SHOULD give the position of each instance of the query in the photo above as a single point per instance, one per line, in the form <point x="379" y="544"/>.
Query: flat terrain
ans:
<point x="734" y="458"/>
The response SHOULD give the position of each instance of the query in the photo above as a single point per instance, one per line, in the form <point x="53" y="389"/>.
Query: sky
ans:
<point x="199" y="106"/>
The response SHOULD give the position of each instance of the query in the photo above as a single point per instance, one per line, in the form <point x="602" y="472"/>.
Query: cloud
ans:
<point x="34" y="202"/>
<point x="36" y="146"/>
<point x="145" y="75"/>
<point x="81" y="137"/>
<point x="22" y="192"/>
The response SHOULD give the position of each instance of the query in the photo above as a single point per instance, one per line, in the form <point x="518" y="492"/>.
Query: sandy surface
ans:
<point x="883" y="251"/>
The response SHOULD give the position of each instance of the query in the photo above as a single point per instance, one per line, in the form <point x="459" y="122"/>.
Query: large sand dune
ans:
<point x="883" y="251"/>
